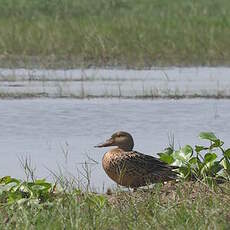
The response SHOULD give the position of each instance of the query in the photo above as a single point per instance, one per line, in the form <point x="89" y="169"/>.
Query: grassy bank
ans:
<point x="68" y="33"/>
<point x="181" y="206"/>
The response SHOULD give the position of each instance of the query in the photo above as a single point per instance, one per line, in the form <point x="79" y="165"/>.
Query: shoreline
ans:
<point x="56" y="62"/>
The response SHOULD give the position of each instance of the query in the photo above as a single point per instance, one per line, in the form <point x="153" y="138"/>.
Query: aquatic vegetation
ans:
<point x="14" y="190"/>
<point x="201" y="162"/>
<point x="173" y="83"/>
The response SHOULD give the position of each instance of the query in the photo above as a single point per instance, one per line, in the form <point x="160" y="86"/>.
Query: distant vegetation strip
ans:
<point x="130" y="33"/>
<point x="60" y="94"/>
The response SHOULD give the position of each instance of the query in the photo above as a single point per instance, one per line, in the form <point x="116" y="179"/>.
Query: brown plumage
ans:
<point x="131" y="168"/>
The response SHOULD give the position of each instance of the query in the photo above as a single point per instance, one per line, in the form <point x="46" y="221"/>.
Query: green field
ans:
<point x="129" y="33"/>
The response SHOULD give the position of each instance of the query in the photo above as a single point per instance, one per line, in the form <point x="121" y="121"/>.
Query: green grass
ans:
<point x="180" y="206"/>
<point x="131" y="33"/>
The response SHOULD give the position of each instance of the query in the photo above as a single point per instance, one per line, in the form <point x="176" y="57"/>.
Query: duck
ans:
<point x="130" y="168"/>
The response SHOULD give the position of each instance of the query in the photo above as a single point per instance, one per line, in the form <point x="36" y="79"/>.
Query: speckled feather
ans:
<point x="134" y="169"/>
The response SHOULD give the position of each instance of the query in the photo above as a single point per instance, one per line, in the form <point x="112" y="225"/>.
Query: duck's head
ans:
<point x="121" y="139"/>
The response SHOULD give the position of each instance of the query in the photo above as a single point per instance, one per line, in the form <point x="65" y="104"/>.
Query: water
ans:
<point x="165" y="82"/>
<point x="46" y="129"/>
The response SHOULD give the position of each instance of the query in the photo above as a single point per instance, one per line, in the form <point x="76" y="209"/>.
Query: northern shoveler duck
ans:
<point x="130" y="168"/>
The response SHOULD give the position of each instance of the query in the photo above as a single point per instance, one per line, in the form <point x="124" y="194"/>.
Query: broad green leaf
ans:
<point x="5" y="179"/>
<point x="37" y="187"/>
<point x="209" y="157"/>
<point x="217" y="143"/>
<point x="45" y="185"/>
<point x="215" y="168"/>
<point x="40" y="181"/>
<point x="25" y="189"/>
<point x="168" y="151"/>
<point x="227" y="153"/>
<point x="193" y="160"/>
<point x="15" y="188"/>
<point x="41" y="184"/>
<point x="184" y="154"/>
<point x="166" y="158"/>
<point x="185" y="171"/>
<point x="177" y="155"/>
<point x="226" y="164"/>
<point x="8" y="180"/>
<point x="187" y="150"/>
<point x="199" y="148"/>
<point x="178" y="163"/>
<point x="208" y="136"/>
<point x="13" y="197"/>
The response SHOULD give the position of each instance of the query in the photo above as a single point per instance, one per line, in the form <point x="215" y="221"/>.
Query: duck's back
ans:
<point x="134" y="169"/>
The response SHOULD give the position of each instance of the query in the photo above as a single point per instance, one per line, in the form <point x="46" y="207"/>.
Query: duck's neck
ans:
<point x="126" y="147"/>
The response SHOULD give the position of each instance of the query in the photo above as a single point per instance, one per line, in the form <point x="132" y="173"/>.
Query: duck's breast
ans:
<point x="114" y="164"/>
<point x="110" y="164"/>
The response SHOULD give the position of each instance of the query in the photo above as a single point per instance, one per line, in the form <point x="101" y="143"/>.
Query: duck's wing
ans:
<point x="141" y="164"/>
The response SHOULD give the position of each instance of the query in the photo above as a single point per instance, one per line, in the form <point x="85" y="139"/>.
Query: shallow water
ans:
<point x="157" y="82"/>
<point x="46" y="129"/>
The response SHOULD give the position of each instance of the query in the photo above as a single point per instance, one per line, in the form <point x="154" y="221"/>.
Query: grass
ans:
<point x="130" y="33"/>
<point x="179" y="206"/>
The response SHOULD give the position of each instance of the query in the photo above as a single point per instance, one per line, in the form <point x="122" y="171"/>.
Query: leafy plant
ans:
<point x="13" y="190"/>
<point x="201" y="162"/>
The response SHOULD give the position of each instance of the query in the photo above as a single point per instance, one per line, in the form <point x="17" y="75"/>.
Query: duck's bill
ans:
<point x="107" y="143"/>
